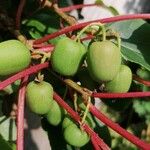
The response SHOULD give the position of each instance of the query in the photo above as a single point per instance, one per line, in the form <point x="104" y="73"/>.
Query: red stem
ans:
<point x="19" y="13"/>
<point x="76" y="117"/>
<point x="46" y="49"/>
<point x="145" y="82"/>
<point x="141" y="144"/>
<point x="22" y="74"/>
<point x="73" y="7"/>
<point x="20" y="115"/>
<point x="121" y="95"/>
<point x="81" y="25"/>
<point x="95" y="144"/>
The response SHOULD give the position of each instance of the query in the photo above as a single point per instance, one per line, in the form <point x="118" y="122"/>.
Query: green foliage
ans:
<point x="4" y="145"/>
<point x="8" y="128"/>
<point x="135" y="44"/>
<point x="38" y="25"/>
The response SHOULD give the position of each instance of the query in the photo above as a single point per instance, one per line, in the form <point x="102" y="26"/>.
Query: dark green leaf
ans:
<point x="103" y="132"/>
<point x="135" y="36"/>
<point x="40" y="24"/>
<point x="4" y="145"/>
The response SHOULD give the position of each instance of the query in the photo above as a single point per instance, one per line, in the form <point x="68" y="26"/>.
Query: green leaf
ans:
<point x="102" y="131"/>
<point x="40" y="24"/>
<point x="135" y="35"/>
<point x="4" y="145"/>
<point x="112" y="9"/>
<point x="8" y="128"/>
<point x="99" y="2"/>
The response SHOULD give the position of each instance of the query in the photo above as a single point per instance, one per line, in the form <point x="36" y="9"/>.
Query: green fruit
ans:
<point x="67" y="122"/>
<point x="75" y="136"/>
<point x="54" y="116"/>
<point x="67" y="56"/>
<point x="121" y="83"/>
<point x="14" y="57"/>
<point x="39" y="96"/>
<point x="104" y="60"/>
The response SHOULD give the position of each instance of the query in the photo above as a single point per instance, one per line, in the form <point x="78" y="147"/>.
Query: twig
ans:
<point x="137" y="78"/>
<point x="20" y="114"/>
<point x="22" y="74"/>
<point x="76" y="117"/>
<point x="121" y="95"/>
<point x="74" y="7"/>
<point x="141" y="144"/>
<point x="19" y="13"/>
<point x="81" y="25"/>
<point x="70" y="20"/>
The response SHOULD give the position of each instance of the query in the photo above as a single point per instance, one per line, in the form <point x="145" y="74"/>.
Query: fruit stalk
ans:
<point x="141" y="144"/>
<point x="20" y="114"/>
<point x="140" y="80"/>
<point x="82" y="25"/>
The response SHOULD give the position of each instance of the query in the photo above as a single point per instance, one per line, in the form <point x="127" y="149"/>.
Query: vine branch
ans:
<point x="20" y="114"/>
<point x="76" y="117"/>
<point x="26" y="72"/>
<point x="81" y="25"/>
<point x="141" y="144"/>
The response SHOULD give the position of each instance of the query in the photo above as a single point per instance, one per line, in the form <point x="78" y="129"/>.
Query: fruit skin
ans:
<point x="39" y="97"/>
<point x="121" y="83"/>
<point x="55" y="114"/>
<point x="14" y="57"/>
<point x="67" y="56"/>
<point x="104" y="60"/>
<point x="75" y="136"/>
<point x="67" y="122"/>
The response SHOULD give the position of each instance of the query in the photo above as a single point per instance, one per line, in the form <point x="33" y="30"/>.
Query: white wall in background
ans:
<point x="123" y="6"/>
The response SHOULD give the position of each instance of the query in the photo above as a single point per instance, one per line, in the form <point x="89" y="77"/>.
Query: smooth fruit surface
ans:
<point x="121" y="83"/>
<point x="75" y="136"/>
<point x="14" y="57"/>
<point x="54" y="116"/>
<point x="67" y="122"/>
<point x="104" y="60"/>
<point x="67" y="56"/>
<point x="39" y="96"/>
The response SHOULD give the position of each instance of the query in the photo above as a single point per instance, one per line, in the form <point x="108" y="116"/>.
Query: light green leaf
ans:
<point x="8" y="128"/>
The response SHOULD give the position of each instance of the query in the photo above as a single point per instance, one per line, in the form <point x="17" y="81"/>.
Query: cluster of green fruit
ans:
<point x="39" y="96"/>
<point x="103" y="60"/>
